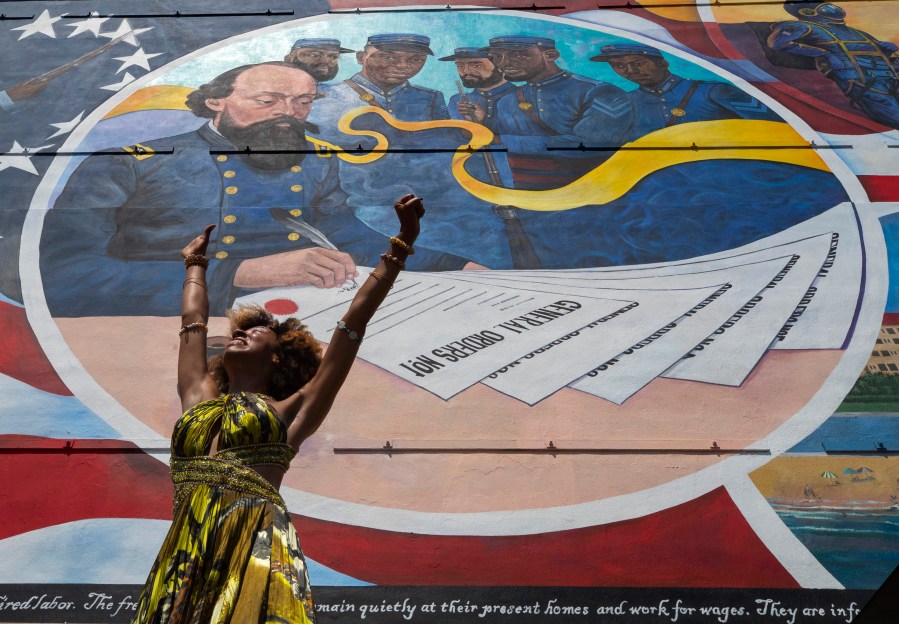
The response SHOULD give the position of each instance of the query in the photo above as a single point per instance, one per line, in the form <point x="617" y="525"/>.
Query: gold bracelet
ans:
<point x="191" y="327"/>
<point x="399" y="242"/>
<point x="196" y="260"/>
<point x="194" y="280"/>
<point x="380" y="276"/>
<point x="391" y="258"/>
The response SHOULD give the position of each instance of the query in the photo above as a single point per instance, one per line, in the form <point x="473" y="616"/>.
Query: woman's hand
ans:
<point x="199" y="244"/>
<point x="410" y="210"/>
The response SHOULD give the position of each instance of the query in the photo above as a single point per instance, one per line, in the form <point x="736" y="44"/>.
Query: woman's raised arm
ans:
<point x="314" y="400"/>
<point x="194" y="382"/>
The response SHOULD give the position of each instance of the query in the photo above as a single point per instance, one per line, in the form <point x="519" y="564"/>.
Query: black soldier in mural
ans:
<point x="389" y="62"/>
<point x="553" y="108"/>
<point x="865" y="68"/>
<point x="663" y="99"/>
<point x="282" y="217"/>
<point x="318" y="56"/>
<point x="487" y="83"/>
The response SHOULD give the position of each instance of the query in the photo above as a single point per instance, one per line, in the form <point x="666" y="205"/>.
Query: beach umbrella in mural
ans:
<point x="829" y="475"/>
<point x="849" y="471"/>
<point x="864" y="470"/>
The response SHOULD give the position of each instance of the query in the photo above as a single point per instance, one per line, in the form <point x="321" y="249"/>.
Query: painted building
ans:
<point x="641" y="366"/>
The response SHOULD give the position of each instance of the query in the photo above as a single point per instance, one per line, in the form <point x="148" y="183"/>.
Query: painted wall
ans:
<point x="620" y="381"/>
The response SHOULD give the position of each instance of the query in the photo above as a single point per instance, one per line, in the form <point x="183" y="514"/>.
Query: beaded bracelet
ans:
<point x="196" y="260"/>
<point x="391" y="258"/>
<point x="399" y="242"/>
<point x="191" y="327"/>
<point x="353" y="334"/>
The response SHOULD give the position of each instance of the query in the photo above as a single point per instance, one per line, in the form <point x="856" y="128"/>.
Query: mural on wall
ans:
<point x="643" y="288"/>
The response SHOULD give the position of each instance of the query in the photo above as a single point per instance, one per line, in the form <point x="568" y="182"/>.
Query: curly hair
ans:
<point x="222" y="86"/>
<point x="298" y="351"/>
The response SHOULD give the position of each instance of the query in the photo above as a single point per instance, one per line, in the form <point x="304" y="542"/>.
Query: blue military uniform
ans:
<point x="111" y="243"/>
<point x="679" y="100"/>
<point x="428" y="175"/>
<point x="485" y="98"/>
<point x="406" y="102"/>
<point x="864" y="68"/>
<point x="564" y="110"/>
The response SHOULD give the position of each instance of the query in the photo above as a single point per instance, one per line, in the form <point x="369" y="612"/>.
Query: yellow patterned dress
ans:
<point x="232" y="553"/>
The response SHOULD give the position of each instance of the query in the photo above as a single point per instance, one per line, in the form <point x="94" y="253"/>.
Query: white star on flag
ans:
<point x="66" y="127"/>
<point x="91" y="25"/>
<point x="43" y="24"/>
<point x="138" y="59"/>
<point x="118" y="86"/>
<point x="125" y="29"/>
<point x="13" y="161"/>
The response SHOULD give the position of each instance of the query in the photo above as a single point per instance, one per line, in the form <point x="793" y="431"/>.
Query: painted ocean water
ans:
<point x="859" y="547"/>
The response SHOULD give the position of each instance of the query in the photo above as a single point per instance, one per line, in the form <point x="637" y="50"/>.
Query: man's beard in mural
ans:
<point x="321" y="72"/>
<point x="268" y="136"/>
<point x="476" y="82"/>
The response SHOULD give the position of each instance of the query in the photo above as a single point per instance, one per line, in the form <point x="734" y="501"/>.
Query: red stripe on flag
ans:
<point x="881" y="188"/>
<point x="44" y="485"/>
<point x="703" y="543"/>
<point x="21" y="356"/>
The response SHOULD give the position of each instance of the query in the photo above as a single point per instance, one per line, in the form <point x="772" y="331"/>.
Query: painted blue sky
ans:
<point x="447" y="32"/>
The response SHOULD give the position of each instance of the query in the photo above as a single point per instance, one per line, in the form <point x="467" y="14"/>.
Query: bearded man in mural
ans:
<point x="115" y="228"/>
<point x="865" y="68"/>
<point x="318" y="56"/>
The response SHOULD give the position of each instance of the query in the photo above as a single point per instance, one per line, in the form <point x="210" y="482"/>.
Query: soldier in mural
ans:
<point x="389" y="62"/>
<point x="663" y="99"/>
<point x="318" y="56"/>
<point x="553" y="108"/>
<point x="283" y="220"/>
<point x="865" y="68"/>
<point x="478" y="73"/>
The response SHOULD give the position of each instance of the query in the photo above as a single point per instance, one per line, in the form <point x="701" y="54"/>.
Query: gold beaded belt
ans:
<point x="189" y="472"/>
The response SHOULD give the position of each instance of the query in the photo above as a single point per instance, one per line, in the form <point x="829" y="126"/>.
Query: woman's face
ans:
<point x="258" y="342"/>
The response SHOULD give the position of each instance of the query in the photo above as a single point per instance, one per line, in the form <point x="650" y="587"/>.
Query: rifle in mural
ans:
<point x="33" y="86"/>
<point x="523" y="254"/>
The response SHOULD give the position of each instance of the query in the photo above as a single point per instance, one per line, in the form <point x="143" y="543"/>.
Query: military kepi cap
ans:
<point x="520" y="42"/>
<point x="316" y="42"/>
<point x="625" y="49"/>
<point x="401" y="42"/>
<point x="466" y="53"/>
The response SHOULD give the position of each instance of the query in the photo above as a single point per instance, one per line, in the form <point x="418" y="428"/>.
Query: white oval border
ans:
<point x="731" y="472"/>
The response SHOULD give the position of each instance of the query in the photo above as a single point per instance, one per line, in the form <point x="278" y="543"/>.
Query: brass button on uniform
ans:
<point x="221" y="158"/>
<point x="229" y="219"/>
<point x="296" y="212"/>
<point x="293" y="236"/>
<point x="221" y="255"/>
<point x="296" y="188"/>
<point x="231" y="190"/>
<point x="227" y="239"/>
<point x="296" y="168"/>
<point x="229" y="174"/>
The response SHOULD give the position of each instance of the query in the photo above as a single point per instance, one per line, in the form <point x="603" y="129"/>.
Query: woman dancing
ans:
<point x="232" y="553"/>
